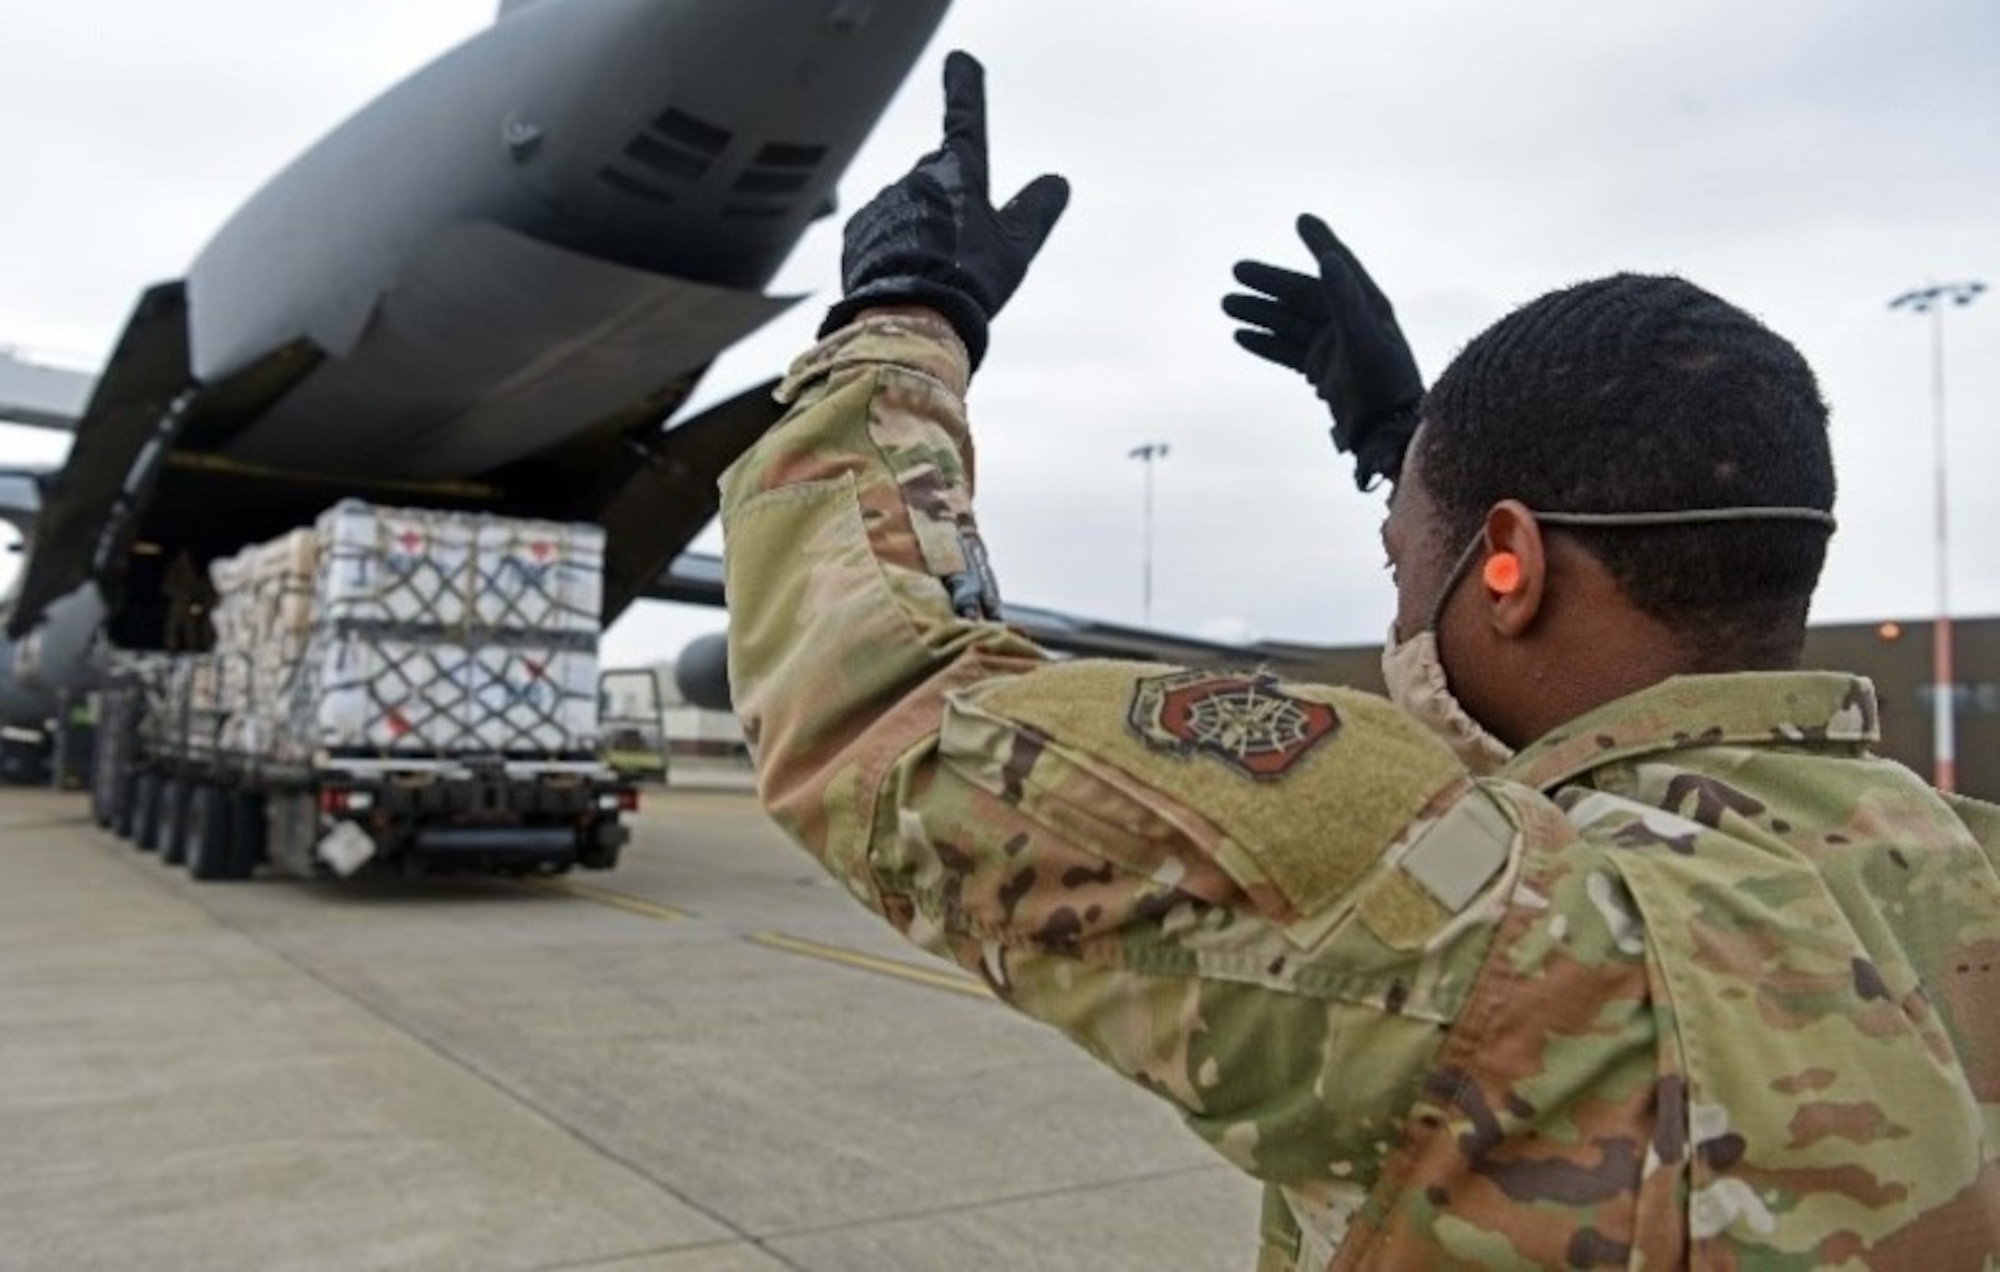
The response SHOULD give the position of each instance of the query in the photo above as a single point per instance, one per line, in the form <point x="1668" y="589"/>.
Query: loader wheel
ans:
<point x="246" y="833"/>
<point x="128" y="801"/>
<point x="146" y="811"/>
<point x="170" y="834"/>
<point x="210" y="848"/>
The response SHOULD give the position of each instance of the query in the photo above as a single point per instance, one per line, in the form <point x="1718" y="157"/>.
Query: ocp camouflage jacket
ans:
<point x="1697" y="981"/>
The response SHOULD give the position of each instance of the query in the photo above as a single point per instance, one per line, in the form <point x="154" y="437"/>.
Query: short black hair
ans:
<point x="1638" y="393"/>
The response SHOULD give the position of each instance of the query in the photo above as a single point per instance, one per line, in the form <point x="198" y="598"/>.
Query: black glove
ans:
<point x="1340" y="332"/>
<point x="934" y="239"/>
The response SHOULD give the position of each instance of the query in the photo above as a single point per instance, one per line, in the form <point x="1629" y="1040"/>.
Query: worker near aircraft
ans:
<point x="1605" y="941"/>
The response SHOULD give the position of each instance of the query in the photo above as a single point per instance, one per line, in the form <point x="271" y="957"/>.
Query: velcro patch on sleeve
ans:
<point x="1444" y="868"/>
<point x="1458" y="857"/>
<point x="1295" y="790"/>
<point x="1399" y="911"/>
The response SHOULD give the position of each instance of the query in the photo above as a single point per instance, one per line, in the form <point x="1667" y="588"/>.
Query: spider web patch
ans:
<point x="1246" y="722"/>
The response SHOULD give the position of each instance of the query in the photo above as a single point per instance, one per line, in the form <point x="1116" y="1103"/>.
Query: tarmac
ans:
<point x="707" y="1060"/>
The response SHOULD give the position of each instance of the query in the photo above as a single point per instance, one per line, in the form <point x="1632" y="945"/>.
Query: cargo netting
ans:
<point x="400" y="632"/>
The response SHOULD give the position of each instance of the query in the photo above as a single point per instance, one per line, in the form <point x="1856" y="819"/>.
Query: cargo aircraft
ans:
<point x="492" y="288"/>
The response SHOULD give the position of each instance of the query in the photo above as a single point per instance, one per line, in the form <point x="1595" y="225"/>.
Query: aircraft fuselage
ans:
<point x="490" y="288"/>
<point x="601" y="146"/>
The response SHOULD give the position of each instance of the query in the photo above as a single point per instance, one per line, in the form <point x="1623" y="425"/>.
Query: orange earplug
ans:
<point x="1502" y="573"/>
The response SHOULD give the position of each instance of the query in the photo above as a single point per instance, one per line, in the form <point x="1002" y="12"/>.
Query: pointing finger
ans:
<point x="965" y="112"/>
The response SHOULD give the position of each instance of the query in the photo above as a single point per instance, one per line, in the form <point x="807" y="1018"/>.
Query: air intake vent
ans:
<point x="695" y="134"/>
<point x="666" y="160"/>
<point x="631" y="185"/>
<point x="676" y="147"/>
<point x="764" y="182"/>
<point x="780" y="168"/>
<point x="781" y="155"/>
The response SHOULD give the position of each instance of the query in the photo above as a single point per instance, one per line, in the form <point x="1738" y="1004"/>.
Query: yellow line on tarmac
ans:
<point x="605" y="896"/>
<point x="625" y="901"/>
<point x="869" y="963"/>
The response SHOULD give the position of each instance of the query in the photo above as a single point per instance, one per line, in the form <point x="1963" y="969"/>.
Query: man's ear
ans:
<point x="1513" y="570"/>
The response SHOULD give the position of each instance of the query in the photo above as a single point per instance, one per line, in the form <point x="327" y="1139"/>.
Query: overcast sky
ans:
<point x="1807" y="159"/>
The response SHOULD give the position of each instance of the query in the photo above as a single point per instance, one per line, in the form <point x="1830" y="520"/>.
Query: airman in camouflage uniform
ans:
<point x="1691" y="979"/>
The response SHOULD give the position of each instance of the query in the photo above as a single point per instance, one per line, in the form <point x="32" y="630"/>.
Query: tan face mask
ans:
<point x="1414" y="670"/>
<point x="1416" y="684"/>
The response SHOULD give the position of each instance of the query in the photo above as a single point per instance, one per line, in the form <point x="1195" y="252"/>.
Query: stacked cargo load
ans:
<point x="197" y="682"/>
<point x="452" y="633"/>
<point x="391" y="687"/>
<point x="124" y="725"/>
<point x="263" y="621"/>
<point x="150" y="676"/>
<point x="148" y="714"/>
<point x="410" y="633"/>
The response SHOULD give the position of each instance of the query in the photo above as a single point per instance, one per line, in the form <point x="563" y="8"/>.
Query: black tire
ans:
<point x="209" y="834"/>
<point x="170" y="837"/>
<point x="246" y="833"/>
<point x="146" y="811"/>
<point x="128" y="803"/>
<point x="175" y="851"/>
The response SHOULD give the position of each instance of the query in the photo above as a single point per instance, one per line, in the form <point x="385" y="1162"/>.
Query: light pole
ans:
<point x="1932" y="300"/>
<point x="1146" y="454"/>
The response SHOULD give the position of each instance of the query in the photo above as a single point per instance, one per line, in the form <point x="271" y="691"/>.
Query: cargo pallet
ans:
<point x="171" y="791"/>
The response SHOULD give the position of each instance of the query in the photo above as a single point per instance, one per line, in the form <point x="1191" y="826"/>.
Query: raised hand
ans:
<point x="1339" y="331"/>
<point x="935" y="239"/>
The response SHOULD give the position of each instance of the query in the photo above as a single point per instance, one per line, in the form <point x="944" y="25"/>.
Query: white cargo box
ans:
<point x="412" y="567"/>
<point x="405" y="698"/>
<point x="409" y="632"/>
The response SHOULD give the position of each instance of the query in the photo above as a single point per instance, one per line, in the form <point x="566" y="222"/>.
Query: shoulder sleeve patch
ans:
<point x="1295" y="790"/>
